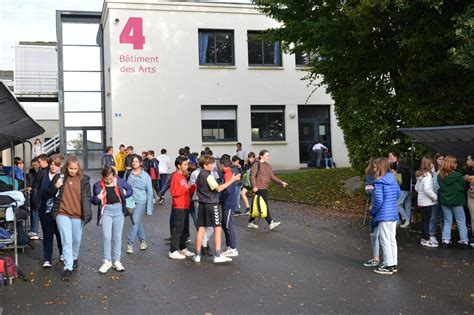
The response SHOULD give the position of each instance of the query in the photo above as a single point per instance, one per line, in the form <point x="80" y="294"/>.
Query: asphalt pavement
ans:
<point x="310" y="264"/>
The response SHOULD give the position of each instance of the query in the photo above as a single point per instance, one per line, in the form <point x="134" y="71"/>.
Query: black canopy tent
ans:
<point x="16" y="127"/>
<point x="453" y="140"/>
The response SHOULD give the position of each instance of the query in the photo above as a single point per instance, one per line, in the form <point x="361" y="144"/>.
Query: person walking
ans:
<point x="140" y="182"/>
<point x="71" y="210"/>
<point x="260" y="177"/>
<point x="108" y="158"/>
<point x="109" y="194"/>
<point x="120" y="160"/>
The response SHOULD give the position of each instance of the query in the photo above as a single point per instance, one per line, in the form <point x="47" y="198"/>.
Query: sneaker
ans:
<point x="129" y="248"/>
<point x="186" y="252"/>
<point x="167" y="240"/>
<point x="247" y="211"/>
<point x="252" y="225"/>
<point x="229" y="252"/>
<point x="206" y="251"/>
<point x="197" y="258"/>
<point x="427" y="243"/>
<point x="33" y="236"/>
<point x="434" y="240"/>
<point x="47" y="264"/>
<point x="143" y="245"/>
<point x="464" y="244"/>
<point x="405" y="224"/>
<point x="188" y="240"/>
<point x="371" y="263"/>
<point x="66" y="275"/>
<point x="154" y="201"/>
<point x="273" y="225"/>
<point x="105" y="267"/>
<point x="117" y="265"/>
<point x="176" y="255"/>
<point x="383" y="270"/>
<point x="161" y="201"/>
<point x="75" y="264"/>
<point x="395" y="268"/>
<point x="61" y="258"/>
<point x="222" y="259"/>
<point x="237" y="213"/>
<point x="446" y="243"/>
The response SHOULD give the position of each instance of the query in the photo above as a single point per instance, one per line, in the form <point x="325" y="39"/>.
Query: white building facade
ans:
<point x="197" y="74"/>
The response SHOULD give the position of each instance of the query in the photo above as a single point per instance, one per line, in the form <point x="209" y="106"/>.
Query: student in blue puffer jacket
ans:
<point x="385" y="214"/>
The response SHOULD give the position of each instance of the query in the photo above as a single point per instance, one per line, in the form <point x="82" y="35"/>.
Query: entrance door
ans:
<point x="87" y="145"/>
<point x="313" y="126"/>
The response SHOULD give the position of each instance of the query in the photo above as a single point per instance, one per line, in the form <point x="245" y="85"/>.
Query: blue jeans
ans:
<point x="137" y="227"/>
<point x="460" y="217"/>
<point x="228" y="226"/>
<point x="35" y="219"/>
<point x="435" y="212"/>
<point x="404" y="205"/>
<point x="71" y="234"/>
<point x="237" y="198"/>
<point x="112" y="227"/>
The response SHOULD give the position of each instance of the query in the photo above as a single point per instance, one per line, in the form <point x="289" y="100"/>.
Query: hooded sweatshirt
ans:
<point x="426" y="195"/>
<point x="452" y="190"/>
<point x="384" y="204"/>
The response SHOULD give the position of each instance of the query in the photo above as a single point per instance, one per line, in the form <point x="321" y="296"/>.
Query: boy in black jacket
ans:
<point x="154" y="171"/>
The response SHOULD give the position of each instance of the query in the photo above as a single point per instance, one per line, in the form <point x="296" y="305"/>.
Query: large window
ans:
<point x="262" y="52"/>
<point x="219" y="123"/>
<point x="216" y="47"/>
<point x="268" y="123"/>
<point x="303" y="59"/>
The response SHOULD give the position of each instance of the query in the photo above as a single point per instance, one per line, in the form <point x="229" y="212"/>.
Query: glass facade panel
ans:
<point x="82" y="81"/>
<point x="82" y="119"/>
<point x="94" y="159"/>
<point x="74" y="140"/>
<point x="81" y="58"/>
<point x="268" y="124"/>
<point x="80" y="33"/>
<point x="94" y="140"/>
<point x="82" y="101"/>
<point x="79" y="154"/>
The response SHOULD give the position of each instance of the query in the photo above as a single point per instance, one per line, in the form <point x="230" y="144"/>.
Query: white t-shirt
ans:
<point x="165" y="164"/>
<point x="319" y="146"/>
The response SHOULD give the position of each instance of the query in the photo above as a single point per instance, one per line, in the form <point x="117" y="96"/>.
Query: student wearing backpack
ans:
<point x="154" y="171"/>
<point x="260" y="176"/>
<point x="237" y="169"/>
<point x="247" y="186"/>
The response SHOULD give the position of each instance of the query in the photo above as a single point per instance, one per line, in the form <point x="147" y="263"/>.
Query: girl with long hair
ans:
<point x="385" y="215"/>
<point x="469" y="177"/>
<point x="436" y="210"/>
<point x="71" y="210"/>
<point x="427" y="198"/>
<point x="452" y="195"/>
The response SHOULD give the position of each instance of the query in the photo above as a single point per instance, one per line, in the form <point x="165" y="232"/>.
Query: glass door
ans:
<point x="87" y="145"/>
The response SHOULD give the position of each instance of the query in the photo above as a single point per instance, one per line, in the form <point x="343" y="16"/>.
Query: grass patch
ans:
<point x="321" y="187"/>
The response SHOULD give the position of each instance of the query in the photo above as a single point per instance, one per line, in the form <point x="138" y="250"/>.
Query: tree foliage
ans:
<point x="386" y="63"/>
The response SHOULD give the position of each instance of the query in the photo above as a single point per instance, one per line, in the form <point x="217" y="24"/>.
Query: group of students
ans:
<point x="208" y="189"/>
<point x="443" y="190"/>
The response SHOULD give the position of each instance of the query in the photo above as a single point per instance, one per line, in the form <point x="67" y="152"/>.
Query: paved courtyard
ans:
<point x="312" y="264"/>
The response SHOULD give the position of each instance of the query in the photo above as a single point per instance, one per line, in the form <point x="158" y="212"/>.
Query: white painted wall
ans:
<point x="164" y="109"/>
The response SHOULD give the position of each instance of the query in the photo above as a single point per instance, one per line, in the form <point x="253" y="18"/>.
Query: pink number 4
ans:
<point x="132" y="33"/>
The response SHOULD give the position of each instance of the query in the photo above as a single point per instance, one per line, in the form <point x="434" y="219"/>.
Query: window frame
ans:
<point x="215" y="31"/>
<point x="267" y="109"/>
<point x="262" y="47"/>
<point x="220" y="107"/>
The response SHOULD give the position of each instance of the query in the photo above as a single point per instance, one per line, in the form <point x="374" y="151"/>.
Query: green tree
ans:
<point x="386" y="63"/>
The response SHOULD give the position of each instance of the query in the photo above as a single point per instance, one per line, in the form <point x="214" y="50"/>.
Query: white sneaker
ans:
<point x="221" y="259"/>
<point x="47" y="264"/>
<point x="273" y="225"/>
<point x="33" y="236"/>
<point x="187" y="253"/>
<point x="117" y="265"/>
<point x="427" y="243"/>
<point x="197" y="258"/>
<point x="229" y="252"/>
<point x="143" y="245"/>
<point x="434" y="240"/>
<point x="105" y="267"/>
<point x="252" y="225"/>
<point x="129" y="248"/>
<point x="176" y="255"/>
<point x="61" y="258"/>
<point x="406" y="224"/>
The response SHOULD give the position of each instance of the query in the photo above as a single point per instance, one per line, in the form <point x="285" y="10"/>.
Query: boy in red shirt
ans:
<point x="180" y="193"/>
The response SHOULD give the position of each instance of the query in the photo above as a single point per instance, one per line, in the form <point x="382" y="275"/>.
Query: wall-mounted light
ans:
<point x="292" y="115"/>
<point x="117" y="20"/>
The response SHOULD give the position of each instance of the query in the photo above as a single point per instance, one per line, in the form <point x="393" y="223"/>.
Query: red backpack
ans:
<point x="7" y="270"/>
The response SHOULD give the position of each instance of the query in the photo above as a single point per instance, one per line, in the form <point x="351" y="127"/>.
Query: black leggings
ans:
<point x="263" y="194"/>
<point x="425" y="227"/>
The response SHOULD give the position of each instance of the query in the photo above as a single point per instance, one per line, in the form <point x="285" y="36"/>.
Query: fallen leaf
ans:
<point x="290" y="286"/>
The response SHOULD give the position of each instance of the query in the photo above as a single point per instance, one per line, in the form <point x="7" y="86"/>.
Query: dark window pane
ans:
<point x="303" y="59"/>
<point x="224" y="48"/>
<point x="94" y="159"/>
<point x="255" y="50"/>
<point x="211" y="49"/>
<point x="268" y="125"/>
<point x="219" y="130"/>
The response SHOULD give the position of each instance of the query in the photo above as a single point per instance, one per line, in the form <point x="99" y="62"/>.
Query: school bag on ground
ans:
<point x="7" y="270"/>
<point x="259" y="207"/>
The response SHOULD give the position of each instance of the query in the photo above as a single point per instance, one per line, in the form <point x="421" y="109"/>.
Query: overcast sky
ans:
<point x="33" y="20"/>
